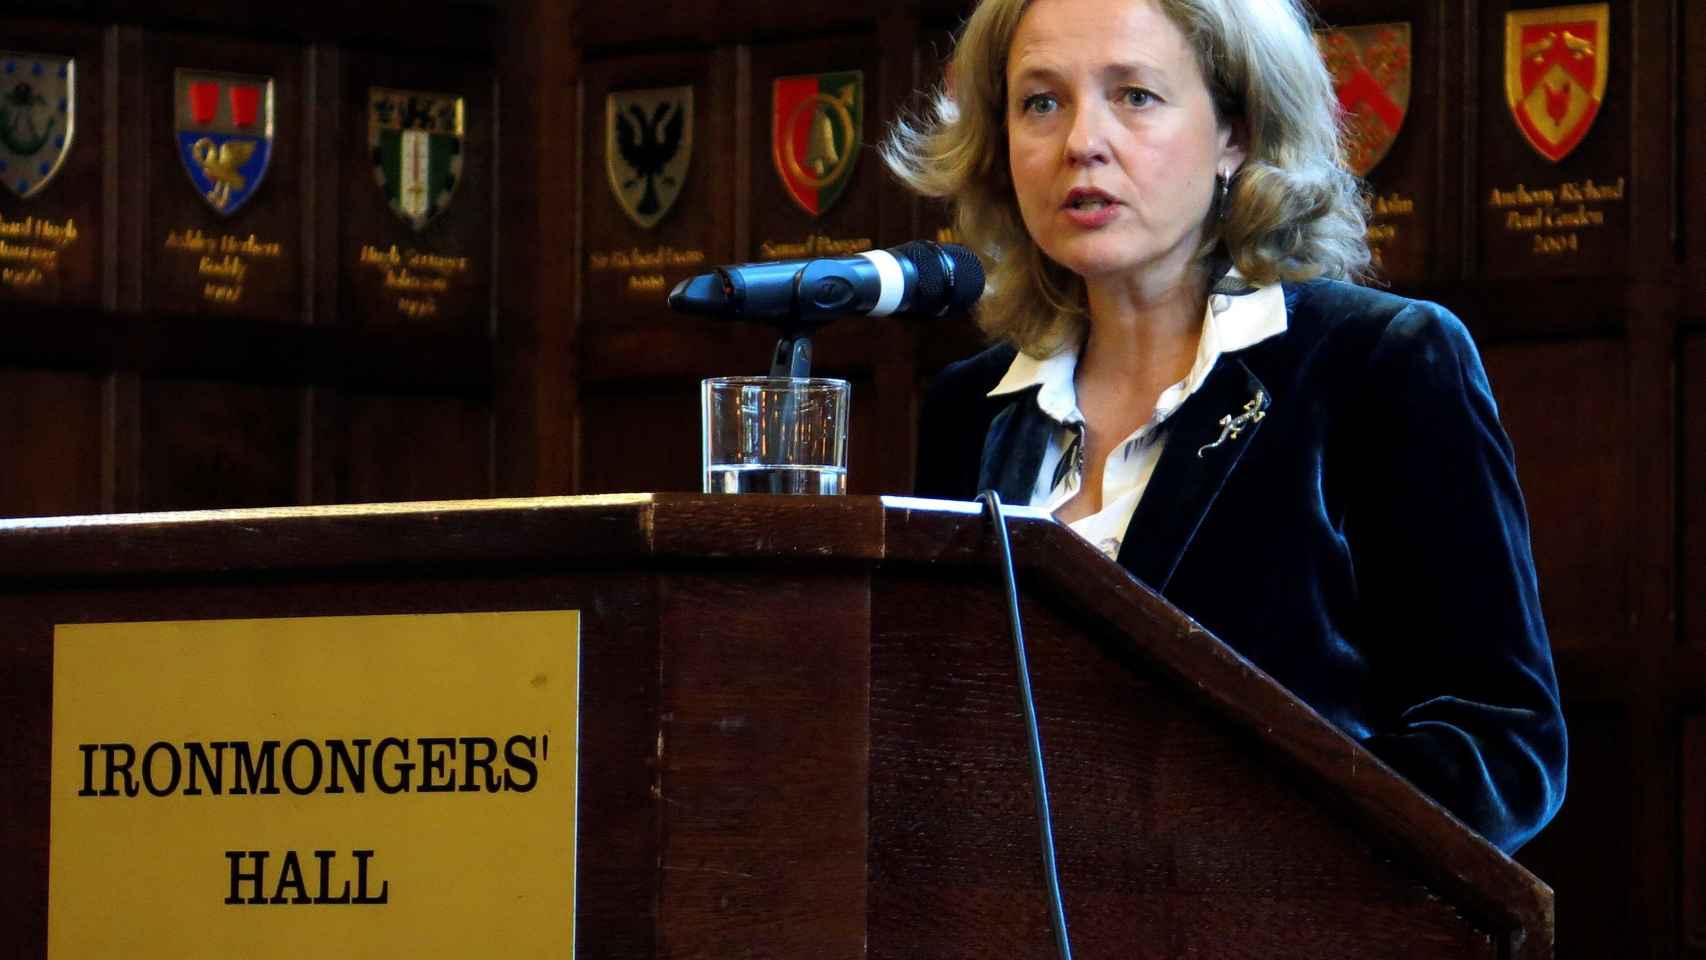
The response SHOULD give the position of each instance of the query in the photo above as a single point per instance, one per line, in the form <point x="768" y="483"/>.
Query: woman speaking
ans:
<point x="1313" y="470"/>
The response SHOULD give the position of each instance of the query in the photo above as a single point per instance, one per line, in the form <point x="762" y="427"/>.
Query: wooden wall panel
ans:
<point x="51" y="242"/>
<point x="640" y="436"/>
<point x="1590" y="844"/>
<point x="52" y="425"/>
<point x="415" y="448"/>
<point x="1692" y="491"/>
<point x="1691" y="116"/>
<point x="1576" y="481"/>
<point x="1538" y="217"/>
<point x="538" y="390"/>
<point x="206" y="444"/>
<point x="1693" y="809"/>
<point x="247" y="261"/>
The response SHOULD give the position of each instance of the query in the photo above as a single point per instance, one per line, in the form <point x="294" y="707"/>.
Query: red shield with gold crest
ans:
<point x="1370" y="66"/>
<point x="1556" y="61"/>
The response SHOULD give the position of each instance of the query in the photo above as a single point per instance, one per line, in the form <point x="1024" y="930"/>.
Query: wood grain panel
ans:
<point x="1691" y="112"/>
<point x="772" y="862"/>
<point x="1694" y="834"/>
<point x="640" y="437"/>
<point x="1150" y="867"/>
<point x="51" y="243"/>
<point x="1525" y="233"/>
<point x="437" y="277"/>
<point x="1576" y="480"/>
<point x="1691" y="510"/>
<point x="538" y="68"/>
<point x="1587" y="851"/>
<point x="51" y="428"/>
<point x="400" y="447"/>
<point x="210" y="444"/>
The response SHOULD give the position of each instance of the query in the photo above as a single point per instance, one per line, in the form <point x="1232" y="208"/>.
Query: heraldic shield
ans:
<point x="38" y="113"/>
<point x="648" y="140"/>
<point x="416" y="143"/>
<point x="816" y="122"/>
<point x="224" y="129"/>
<point x="1370" y="66"/>
<point x="1556" y="62"/>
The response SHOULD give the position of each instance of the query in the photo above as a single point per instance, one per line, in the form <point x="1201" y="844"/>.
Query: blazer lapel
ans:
<point x="1185" y="483"/>
<point x="1013" y="449"/>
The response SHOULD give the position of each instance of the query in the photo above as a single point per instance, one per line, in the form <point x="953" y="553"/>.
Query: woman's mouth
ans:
<point x="1082" y="199"/>
<point x="1089" y="208"/>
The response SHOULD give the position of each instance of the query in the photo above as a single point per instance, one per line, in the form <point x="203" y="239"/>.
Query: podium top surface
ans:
<point x="541" y="529"/>
<point x="563" y="534"/>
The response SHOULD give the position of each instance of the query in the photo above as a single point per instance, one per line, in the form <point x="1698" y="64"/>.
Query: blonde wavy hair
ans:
<point x="1291" y="212"/>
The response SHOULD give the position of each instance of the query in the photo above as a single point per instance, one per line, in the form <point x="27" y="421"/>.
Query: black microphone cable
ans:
<point x="1045" y="823"/>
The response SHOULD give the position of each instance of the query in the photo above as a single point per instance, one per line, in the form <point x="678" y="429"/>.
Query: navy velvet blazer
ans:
<point x="1365" y="543"/>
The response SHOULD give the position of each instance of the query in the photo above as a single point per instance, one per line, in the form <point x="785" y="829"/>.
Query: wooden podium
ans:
<point x="800" y="736"/>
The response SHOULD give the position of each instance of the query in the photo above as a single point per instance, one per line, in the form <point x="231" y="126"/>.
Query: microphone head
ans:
<point x="950" y="277"/>
<point x="708" y="294"/>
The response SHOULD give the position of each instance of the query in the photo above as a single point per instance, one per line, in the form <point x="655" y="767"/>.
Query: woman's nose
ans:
<point x="1087" y="141"/>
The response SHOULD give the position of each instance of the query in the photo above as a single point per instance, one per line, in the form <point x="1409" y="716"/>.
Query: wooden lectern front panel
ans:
<point x="1185" y="839"/>
<point x="761" y="753"/>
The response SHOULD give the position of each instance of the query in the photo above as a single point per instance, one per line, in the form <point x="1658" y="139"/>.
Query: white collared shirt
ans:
<point x="1230" y="323"/>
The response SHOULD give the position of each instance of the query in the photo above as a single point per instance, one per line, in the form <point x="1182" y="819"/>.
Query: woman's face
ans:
<point x="1112" y="139"/>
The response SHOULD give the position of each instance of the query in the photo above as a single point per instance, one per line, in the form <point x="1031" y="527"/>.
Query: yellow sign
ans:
<point x="349" y="786"/>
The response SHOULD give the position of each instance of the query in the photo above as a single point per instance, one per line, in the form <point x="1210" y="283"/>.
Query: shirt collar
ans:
<point x="1231" y="322"/>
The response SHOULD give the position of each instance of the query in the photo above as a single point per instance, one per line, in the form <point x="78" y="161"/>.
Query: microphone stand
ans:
<point x="792" y="359"/>
<point x="793" y="356"/>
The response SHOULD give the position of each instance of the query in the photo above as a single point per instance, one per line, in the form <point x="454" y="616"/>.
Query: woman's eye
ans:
<point x="1136" y="97"/>
<point x="1039" y="103"/>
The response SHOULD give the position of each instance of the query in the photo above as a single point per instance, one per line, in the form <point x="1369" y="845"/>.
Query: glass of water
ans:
<point x="774" y="434"/>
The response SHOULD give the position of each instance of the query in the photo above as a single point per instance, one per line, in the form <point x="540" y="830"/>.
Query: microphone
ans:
<point x="920" y="278"/>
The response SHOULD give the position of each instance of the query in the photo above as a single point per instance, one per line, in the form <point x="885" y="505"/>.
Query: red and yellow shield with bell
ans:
<point x="1556" y="61"/>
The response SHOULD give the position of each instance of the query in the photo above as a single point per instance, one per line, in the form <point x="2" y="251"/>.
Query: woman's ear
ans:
<point x="1234" y="145"/>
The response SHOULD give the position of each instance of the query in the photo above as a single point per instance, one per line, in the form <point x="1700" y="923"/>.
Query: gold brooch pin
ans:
<point x="1231" y="426"/>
